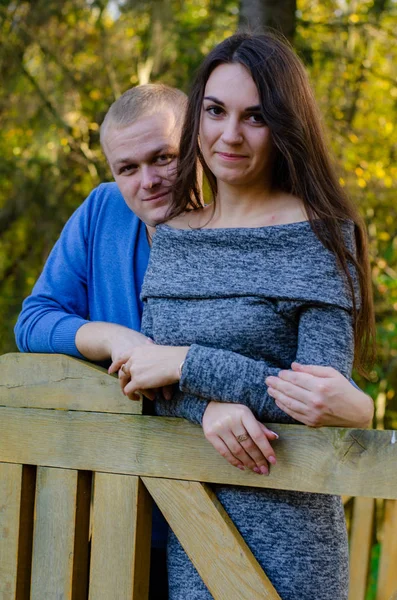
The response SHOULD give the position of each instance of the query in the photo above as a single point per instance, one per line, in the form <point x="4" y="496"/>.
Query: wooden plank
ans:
<point x="226" y="565"/>
<point x="328" y="460"/>
<point x="120" y="556"/>
<point x="25" y="544"/>
<point x="10" y="500"/>
<point x="387" y="579"/>
<point x="53" y="538"/>
<point x="62" y="382"/>
<point x="360" y="546"/>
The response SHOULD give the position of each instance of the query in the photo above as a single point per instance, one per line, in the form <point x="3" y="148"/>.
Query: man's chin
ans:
<point x="156" y="217"/>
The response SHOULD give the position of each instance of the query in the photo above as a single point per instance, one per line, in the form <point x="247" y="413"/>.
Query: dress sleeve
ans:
<point x="58" y="304"/>
<point x="325" y="337"/>
<point x="187" y="406"/>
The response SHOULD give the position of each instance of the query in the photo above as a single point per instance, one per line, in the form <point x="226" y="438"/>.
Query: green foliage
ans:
<point x="63" y="63"/>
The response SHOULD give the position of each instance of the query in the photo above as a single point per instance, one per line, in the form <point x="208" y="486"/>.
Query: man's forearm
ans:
<point x="99" y="341"/>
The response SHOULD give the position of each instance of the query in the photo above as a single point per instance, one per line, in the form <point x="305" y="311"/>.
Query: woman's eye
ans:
<point x="257" y="119"/>
<point x="214" y="111"/>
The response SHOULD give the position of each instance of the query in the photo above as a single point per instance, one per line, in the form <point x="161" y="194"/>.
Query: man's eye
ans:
<point x="165" y="159"/>
<point x="214" y="111"/>
<point x="127" y="169"/>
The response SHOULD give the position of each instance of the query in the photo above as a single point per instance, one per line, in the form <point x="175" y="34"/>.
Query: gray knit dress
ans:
<point x="249" y="302"/>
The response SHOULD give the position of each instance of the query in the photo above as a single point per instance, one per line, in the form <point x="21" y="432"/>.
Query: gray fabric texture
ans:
<point x="248" y="302"/>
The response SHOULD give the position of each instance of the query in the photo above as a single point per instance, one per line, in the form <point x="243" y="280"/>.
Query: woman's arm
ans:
<point x="325" y="338"/>
<point x="223" y="424"/>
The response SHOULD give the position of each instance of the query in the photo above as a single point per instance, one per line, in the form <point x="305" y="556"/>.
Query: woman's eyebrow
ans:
<point x="213" y="99"/>
<point x="256" y="108"/>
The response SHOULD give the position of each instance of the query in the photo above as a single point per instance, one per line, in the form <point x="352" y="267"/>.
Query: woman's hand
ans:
<point x="320" y="396"/>
<point x="150" y="367"/>
<point x="235" y="433"/>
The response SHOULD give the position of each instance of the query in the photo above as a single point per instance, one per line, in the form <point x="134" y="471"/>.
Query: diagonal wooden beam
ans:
<point x="226" y="564"/>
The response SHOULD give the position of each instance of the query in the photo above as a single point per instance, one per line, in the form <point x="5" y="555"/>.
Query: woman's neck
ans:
<point x="235" y="207"/>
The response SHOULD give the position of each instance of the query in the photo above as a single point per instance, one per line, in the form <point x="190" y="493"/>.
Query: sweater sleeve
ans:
<point x="187" y="406"/>
<point x="325" y="338"/>
<point x="58" y="304"/>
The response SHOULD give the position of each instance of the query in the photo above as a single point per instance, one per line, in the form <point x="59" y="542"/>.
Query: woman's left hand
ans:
<point x="239" y="437"/>
<point x="151" y="366"/>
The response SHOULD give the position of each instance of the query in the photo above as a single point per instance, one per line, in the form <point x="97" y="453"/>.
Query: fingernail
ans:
<point x="264" y="470"/>
<point x="240" y="467"/>
<point x="257" y="470"/>
<point x="272" y="459"/>
<point x="274" y="433"/>
<point x="270" y="391"/>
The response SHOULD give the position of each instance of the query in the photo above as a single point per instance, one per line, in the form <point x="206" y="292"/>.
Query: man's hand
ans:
<point x="235" y="433"/>
<point x="320" y="396"/>
<point x="151" y="367"/>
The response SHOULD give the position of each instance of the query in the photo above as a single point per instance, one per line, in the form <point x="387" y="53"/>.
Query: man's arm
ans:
<point x="99" y="341"/>
<point x="58" y="304"/>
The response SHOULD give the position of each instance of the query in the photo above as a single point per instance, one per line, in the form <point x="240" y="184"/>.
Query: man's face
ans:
<point x="143" y="158"/>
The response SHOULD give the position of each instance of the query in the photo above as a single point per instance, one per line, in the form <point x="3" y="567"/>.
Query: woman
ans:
<point x="274" y="271"/>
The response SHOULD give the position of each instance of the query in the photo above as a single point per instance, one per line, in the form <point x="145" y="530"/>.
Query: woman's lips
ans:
<point x="231" y="157"/>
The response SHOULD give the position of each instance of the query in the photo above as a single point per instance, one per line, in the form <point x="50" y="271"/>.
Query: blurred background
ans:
<point x="63" y="63"/>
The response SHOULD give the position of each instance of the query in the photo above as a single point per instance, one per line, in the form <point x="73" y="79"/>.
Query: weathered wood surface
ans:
<point x="211" y="540"/>
<point x="328" y="460"/>
<point x="360" y="546"/>
<point x="115" y="543"/>
<point x="10" y="502"/>
<point x="387" y="578"/>
<point x="59" y="381"/>
<point x="54" y="529"/>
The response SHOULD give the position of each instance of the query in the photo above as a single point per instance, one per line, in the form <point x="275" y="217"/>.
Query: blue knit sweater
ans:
<point x="94" y="272"/>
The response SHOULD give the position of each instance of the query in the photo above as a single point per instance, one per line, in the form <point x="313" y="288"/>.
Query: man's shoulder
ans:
<point x="105" y="201"/>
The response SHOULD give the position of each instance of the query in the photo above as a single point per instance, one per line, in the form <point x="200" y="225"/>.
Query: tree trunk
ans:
<point x="256" y="15"/>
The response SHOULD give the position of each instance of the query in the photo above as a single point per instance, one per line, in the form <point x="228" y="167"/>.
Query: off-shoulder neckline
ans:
<point x="232" y="229"/>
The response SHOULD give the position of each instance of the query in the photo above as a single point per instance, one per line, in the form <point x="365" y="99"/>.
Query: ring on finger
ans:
<point x="125" y="369"/>
<point x="242" y="437"/>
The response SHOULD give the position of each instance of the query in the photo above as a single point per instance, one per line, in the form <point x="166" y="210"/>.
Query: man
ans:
<point x="86" y="301"/>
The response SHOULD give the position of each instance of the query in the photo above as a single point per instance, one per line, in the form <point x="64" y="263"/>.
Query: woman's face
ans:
<point x="234" y="138"/>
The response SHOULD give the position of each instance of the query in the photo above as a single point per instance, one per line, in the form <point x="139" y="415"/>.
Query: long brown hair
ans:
<point x="302" y="164"/>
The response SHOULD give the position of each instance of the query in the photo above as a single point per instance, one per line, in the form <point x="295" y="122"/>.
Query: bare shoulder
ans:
<point x="190" y="219"/>
<point x="290" y="209"/>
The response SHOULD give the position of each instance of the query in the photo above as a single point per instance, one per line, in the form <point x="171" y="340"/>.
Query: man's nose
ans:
<point x="150" y="178"/>
<point x="232" y="132"/>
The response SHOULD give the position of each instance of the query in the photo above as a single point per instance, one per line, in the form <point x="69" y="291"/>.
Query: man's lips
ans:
<point x="156" y="196"/>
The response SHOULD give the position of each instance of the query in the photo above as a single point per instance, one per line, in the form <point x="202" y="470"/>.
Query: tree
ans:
<point x="257" y="15"/>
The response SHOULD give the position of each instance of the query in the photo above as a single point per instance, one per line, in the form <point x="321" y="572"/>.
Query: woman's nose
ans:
<point x="232" y="132"/>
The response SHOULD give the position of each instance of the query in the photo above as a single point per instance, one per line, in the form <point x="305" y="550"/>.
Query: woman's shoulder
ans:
<point x="189" y="219"/>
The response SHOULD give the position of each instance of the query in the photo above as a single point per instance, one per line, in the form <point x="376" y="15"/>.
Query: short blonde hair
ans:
<point x="143" y="100"/>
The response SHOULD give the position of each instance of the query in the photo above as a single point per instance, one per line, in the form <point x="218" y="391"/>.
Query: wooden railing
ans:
<point x="79" y="465"/>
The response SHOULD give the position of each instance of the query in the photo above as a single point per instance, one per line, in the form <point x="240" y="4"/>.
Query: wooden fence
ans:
<point x="79" y="465"/>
